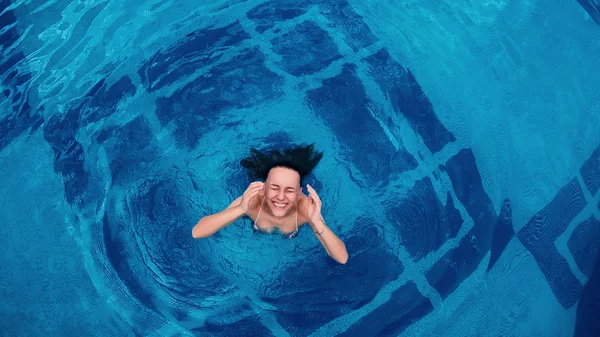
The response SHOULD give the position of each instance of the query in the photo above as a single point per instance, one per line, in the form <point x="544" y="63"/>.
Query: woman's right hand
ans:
<point x="252" y="190"/>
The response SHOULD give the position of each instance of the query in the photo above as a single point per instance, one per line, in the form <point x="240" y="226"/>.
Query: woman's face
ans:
<point x="281" y="190"/>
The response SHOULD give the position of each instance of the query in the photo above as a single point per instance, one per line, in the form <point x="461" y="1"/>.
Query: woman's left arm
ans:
<point x="332" y="244"/>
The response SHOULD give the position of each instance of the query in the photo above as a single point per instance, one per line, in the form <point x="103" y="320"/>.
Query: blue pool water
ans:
<point x="461" y="168"/>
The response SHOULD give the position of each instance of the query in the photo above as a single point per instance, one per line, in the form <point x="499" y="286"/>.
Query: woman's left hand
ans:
<point x="314" y="205"/>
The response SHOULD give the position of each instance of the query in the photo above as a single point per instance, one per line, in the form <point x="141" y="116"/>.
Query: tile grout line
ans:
<point x="410" y="266"/>
<point x="347" y="57"/>
<point x="561" y="242"/>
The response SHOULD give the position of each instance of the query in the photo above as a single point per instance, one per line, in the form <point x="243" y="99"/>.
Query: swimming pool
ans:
<point x="461" y="168"/>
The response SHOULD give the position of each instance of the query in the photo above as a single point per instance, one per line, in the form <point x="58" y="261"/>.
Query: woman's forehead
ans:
<point x="283" y="176"/>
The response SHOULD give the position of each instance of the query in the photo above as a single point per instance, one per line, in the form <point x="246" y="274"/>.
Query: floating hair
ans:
<point x="302" y="159"/>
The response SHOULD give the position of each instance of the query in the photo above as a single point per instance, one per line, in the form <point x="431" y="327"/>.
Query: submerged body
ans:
<point x="278" y="204"/>
<point x="269" y="222"/>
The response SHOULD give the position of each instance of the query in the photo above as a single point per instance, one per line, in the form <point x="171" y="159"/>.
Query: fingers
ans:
<point x="313" y="194"/>
<point x="252" y="190"/>
<point x="255" y="185"/>
<point x="255" y="189"/>
<point x="252" y="194"/>
<point x="315" y="200"/>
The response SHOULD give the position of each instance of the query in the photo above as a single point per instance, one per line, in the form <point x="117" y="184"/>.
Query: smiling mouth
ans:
<point x="279" y="205"/>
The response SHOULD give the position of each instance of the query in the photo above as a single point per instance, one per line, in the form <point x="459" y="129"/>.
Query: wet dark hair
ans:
<point x="302" y="159"/>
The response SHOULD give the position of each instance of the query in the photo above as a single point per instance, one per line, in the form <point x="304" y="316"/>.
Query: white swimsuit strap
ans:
<point x="259" y="210"/>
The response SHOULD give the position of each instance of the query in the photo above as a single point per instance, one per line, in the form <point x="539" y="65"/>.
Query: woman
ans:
<point x="277" y="202"/>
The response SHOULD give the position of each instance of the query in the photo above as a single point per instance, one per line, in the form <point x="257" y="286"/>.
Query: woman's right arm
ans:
<point x="211" y="224"/>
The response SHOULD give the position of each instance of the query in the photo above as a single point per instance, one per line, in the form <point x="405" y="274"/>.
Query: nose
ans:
<point x="280" y="195"/>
